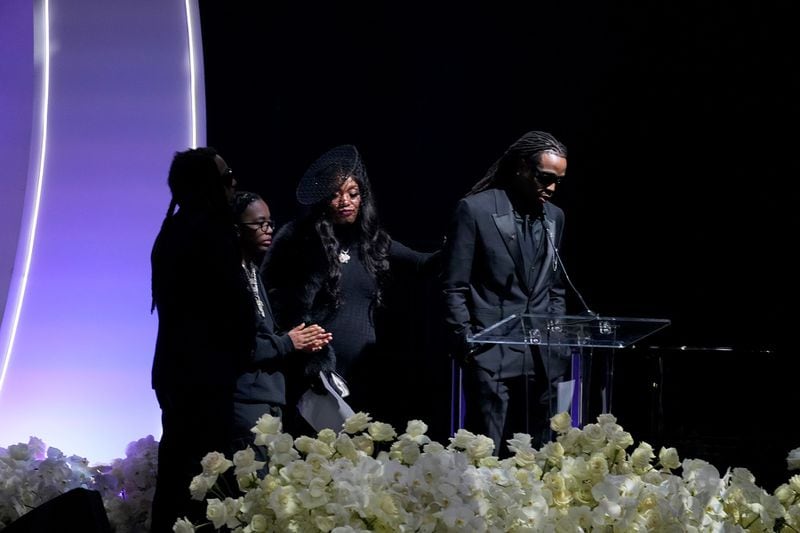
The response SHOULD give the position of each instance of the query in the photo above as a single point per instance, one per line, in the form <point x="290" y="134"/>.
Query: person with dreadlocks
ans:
<point x="499" y="260"/>
<point x="332" y="266"/>
<point x="261" y="384"/>
<point x="205" y="327"/>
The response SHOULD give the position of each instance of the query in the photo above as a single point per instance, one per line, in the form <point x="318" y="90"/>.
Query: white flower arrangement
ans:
<point x="32" y="474"/>
<point x="366" y="478"/>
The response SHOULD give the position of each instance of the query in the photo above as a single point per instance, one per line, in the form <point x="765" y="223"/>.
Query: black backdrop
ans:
<point x="681" y="125"/>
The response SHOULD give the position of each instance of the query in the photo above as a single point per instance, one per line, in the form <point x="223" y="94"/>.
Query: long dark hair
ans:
<point x="194" y="180"/>
<point x="195" y="183"/>
<point x="366" y="233"/>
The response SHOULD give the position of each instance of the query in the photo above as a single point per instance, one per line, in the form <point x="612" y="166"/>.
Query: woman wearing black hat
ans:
<point x="332" y="266"/>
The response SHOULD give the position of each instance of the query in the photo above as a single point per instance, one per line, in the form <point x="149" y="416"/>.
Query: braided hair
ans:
<point x="240" y="201"/>
<point x="194" y="180"/>
<point x="195" y="183"/>
<point x="525" y="150"/>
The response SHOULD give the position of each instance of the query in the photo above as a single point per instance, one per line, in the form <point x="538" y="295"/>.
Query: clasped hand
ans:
<point x="309" y="338"/>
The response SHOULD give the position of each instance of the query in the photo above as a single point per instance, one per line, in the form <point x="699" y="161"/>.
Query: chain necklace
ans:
<point x="250" y="270"/>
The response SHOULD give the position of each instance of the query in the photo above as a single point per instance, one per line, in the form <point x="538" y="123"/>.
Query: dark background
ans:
<point x="680" y="122"/>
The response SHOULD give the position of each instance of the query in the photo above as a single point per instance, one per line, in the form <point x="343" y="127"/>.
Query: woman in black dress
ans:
<point x="332" y="267"/>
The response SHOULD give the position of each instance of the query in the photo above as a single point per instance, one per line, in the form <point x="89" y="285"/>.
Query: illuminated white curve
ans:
<point x="192" y="83"/>
<point x="31" y="220"/>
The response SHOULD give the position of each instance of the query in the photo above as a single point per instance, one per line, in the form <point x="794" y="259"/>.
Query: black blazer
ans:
<point x="205" y="320"/>
<point x="263" y="377"/>
<point x="485" y="279"/>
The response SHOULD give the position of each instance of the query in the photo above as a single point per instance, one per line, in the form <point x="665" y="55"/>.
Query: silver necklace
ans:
<point x="344" y="255"/>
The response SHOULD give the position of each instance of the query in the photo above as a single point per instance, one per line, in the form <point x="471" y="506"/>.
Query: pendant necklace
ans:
<point x="344" y="255"/>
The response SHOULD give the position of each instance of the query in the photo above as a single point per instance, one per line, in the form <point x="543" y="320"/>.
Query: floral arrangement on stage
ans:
<point x="366" y="477"/>
<point x="31" y="474"/>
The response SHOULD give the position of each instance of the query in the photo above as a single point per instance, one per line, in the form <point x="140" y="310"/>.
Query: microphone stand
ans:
<point x="585" y="362"/>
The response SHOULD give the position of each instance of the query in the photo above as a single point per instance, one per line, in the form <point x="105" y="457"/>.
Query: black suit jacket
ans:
<point x="263" y="379"/>
<point x="485" y="278"/>
<point x="205" y="320"/>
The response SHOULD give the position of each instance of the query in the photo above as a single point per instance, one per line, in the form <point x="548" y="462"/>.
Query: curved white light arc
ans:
<point x="192" y="70"/>
<point x="29" y="227"/>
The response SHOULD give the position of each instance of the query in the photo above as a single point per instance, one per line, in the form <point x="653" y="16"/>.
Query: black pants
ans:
<point x="193" y="424"/>
<point x="500" y="407"/>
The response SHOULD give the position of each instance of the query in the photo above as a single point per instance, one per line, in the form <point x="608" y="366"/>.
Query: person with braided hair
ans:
<point x="332" y="266"/>
<point x="261" y="383"/>
<point x="499" y="260"/>
<point x="205" y="327"/>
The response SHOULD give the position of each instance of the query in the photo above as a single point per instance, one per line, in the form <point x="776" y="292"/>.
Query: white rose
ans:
<point x="553" y="452"/>
<point x="356" y="423"/>
<point x="245" y="462"/>
<point x="327" y="436"/>
<point x="258" y="523"/>
<point x="200" y="485"/>
<point x="282" y="443"/>
<point x="620" y="439"/>
<point x="267" y="425"/>
<point x="416" y="430"/>
<point x="793" y="460"/>
<point x="409" y="451"/>
<point x="562" y="498"/>
<point x="215" y="463"/>
<point x="381" y="432"/>
<point x="606" y="419"/>
<point x="668" y="457"/>
<point x="592" y="437"/>
<point x="794" y="482"/>
<point x="315" y="446"/>
<point x="561" y="423"/>
<point x="231" y="508"/>
<point x="364" y="443"/>
<point x="461" y="439"/>
<point x="480" y="447"/>
<point x="303" y="444"/>
<point x="641" y="457"/>
<point x="344" y="445"/>
<point x="216" y="512"/>
<point x="433" y="447"/>
<point x="785" y="494"/>
<point x="598" y="466"/>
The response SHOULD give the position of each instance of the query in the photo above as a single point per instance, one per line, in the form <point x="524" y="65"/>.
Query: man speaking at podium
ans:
<point x="500" y="259"/>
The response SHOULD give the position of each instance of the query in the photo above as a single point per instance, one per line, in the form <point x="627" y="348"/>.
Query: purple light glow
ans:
<point x="120" y="104"/>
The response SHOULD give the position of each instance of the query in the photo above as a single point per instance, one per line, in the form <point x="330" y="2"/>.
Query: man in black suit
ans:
<point x="500" y="259"/>
<point x="205" y="328"/>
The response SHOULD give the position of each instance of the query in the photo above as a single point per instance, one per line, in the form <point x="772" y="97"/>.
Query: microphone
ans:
<point x="558" y="260"/>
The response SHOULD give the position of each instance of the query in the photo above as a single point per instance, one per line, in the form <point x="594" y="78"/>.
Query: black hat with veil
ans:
<point x="328" y="172"/>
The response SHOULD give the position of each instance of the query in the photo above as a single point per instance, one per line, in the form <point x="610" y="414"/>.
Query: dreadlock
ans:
<point x="527" y="149"/>
<point x="194" y="181"/>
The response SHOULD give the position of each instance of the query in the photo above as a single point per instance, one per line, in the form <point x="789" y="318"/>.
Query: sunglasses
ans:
<point x="546" y="179"/>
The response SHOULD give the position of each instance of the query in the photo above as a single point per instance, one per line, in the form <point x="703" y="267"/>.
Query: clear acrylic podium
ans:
<point x="580" y="333"/>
